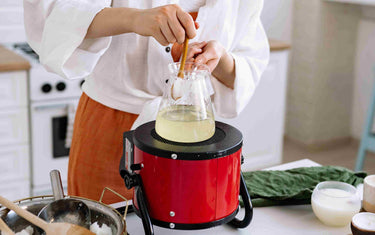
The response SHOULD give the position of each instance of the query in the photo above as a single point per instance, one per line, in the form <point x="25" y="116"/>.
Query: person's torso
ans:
<point x="134" y="68"/>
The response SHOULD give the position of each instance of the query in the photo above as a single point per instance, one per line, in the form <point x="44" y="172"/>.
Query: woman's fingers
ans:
<point x="167" y="33"/>
<point x="201" y="44"/>
<point x="161" y="39"/>
<point x="177" y="29"/>
<point x="209" y="53"/>
<point x="202" y="58"/>
<point x="192" y="52"/>
<point x="170" y="21"/>
<point x="194" y="49"/>
<point x="187" y="22"/>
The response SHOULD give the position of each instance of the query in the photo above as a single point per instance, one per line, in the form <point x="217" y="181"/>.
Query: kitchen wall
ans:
<point x="322" y="70"/>
<point x="329" y="106"/>
<point x="364" y="70"/>
<point x="277" y="18"/>
<point x="11" y="21"/>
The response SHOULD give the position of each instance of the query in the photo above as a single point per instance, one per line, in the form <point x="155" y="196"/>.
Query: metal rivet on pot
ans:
<point x="171" y="225"/>
<point x="172" y="213"/>
<point x="174" y="156"/>
<point x="142" y="166"/>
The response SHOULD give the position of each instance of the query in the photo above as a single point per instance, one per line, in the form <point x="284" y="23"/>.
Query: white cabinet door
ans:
<point x="262" y="121"/>
<point x="14" y="163"/>
<point x="13" y="126"/>
<point x="15" y="190"/>
<point x="13" y="89"/>
<point x="14" y="136"/>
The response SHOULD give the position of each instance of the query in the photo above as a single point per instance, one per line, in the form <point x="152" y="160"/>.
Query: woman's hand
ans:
<point x="167" y="24"/>
<point x="214" y="55"/>
<point x="208" y="53"/>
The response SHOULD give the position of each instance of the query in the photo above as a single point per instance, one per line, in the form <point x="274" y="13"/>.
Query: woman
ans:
<point x="121" y="48"/>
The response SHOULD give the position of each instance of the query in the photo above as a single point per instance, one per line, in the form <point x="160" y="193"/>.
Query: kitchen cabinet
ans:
<point x="14" y="164"/>
<point x="14" y="130"/>
<point x="13" y="89"/>
<point x="15" y="190"/>
<point x="262" y="121"/>
<point x="13" y="126"/>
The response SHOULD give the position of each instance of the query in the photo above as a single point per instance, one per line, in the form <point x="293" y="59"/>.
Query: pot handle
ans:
<point x="120" y="196"/>
<point x="248" y="207"/>
<point x="57" y="188"/>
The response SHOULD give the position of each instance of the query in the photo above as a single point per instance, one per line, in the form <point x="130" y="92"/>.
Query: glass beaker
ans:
<point x="185" y="113"/>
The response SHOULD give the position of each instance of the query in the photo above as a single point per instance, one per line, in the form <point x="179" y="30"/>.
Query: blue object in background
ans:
<point x="368" y="137"/>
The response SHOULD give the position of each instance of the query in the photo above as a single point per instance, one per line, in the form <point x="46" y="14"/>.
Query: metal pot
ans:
<point x="100" y="213"/>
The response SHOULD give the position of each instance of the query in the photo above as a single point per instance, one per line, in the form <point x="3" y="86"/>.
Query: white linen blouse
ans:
<point x="127" y="72"/>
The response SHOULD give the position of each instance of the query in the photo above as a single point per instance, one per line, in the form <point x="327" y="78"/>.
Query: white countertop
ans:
<point x="266" y="220"/>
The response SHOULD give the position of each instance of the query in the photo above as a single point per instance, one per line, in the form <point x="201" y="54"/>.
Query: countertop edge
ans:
<point x="11" y="61"/>
<point x="277" y="45"/>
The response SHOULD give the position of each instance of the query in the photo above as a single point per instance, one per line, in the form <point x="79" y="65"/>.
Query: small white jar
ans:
<point x="335" y="203"/>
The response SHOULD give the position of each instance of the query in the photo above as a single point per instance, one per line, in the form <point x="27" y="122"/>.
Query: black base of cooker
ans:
<point x="164" y="224"/>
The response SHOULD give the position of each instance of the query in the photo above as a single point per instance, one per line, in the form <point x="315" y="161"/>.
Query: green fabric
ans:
<point x="294" y="186"/>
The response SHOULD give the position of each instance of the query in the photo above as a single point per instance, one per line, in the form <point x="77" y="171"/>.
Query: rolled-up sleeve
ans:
<point x="56" y="30"/>
<point x="251" y="56"/>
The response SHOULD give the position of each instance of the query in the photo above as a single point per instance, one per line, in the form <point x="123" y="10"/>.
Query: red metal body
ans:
<point x="198" y="191"/>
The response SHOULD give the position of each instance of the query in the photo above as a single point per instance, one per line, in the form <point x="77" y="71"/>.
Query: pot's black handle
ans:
<point x="146" y="221"/>
<point x="248" y="207"/>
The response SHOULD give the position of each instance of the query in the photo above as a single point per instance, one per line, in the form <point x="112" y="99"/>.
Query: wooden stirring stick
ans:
<point x="5" y="229"/>
<point x="182" y="65"/>
<point x="49" y="228"/>
<point x="183" y="60"/>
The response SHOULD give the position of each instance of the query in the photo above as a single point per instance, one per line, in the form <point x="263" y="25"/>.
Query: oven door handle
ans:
<point x="51" y="106"/>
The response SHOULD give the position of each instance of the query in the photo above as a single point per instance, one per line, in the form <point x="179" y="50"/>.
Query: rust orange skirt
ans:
<point x="96" y="151"/>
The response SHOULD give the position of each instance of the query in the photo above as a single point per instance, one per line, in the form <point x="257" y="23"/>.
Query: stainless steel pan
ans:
<point x="100" y="213"/>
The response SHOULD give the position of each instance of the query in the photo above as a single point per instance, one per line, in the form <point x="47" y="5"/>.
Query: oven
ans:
<point x="49" y="124"/>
